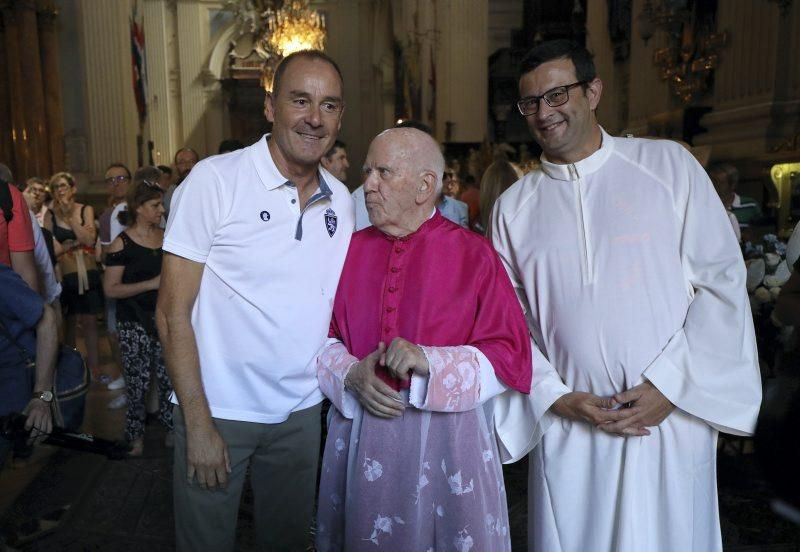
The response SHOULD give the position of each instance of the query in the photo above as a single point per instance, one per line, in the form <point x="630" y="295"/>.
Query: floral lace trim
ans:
<point x="454" y="382"/>
<point x="332" y="366"/>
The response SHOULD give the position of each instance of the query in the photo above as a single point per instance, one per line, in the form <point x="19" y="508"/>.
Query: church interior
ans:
<point x="87" y="83"/>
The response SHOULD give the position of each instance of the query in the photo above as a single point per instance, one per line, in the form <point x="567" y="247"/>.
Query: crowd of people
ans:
<point x="77" y="268"/>
<point x="591" y="314"/>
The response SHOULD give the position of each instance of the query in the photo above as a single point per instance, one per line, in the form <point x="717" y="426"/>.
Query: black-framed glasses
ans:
<point x="114" y="180"/>
<point x="554" y="97"/>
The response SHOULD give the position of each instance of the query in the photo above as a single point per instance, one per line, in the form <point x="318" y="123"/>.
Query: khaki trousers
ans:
<point x="283" y="462"/>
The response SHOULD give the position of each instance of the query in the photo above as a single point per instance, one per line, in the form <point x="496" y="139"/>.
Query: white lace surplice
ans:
<point x="430" y="480"/>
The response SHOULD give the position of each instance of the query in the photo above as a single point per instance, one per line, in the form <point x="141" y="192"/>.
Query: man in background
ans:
<point x="34" y="192"/>
<point x="117" y="178"/>
<point x="165" y="181"/>
<point x="185" y="160"/>
<point x="335" y="161"/>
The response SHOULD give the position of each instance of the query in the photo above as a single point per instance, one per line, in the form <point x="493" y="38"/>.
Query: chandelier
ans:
<point x="294" y="27"/>
<point x="270" y="30"/>
<point x="692" y="52"/>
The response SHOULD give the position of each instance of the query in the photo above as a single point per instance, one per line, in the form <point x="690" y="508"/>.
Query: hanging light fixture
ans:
<point x="291" y="28"/>
<point x="270" y="30"/>
<point x="294" y="27"/>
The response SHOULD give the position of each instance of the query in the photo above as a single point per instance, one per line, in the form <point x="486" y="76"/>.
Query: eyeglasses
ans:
<point x="114" y="180"/>
<point x="554" y="97"/>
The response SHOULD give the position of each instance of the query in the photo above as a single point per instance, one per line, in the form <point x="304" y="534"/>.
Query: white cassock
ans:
<point x="629" y="270"/>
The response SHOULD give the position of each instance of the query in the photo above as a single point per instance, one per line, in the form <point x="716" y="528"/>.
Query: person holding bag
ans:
<point x="132" y="276"/>
<point x="72" y="226"/>
<point x="26" y="321"/>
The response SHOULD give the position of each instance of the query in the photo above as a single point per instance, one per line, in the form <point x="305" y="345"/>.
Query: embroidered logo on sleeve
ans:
<point x="330" y="222"/>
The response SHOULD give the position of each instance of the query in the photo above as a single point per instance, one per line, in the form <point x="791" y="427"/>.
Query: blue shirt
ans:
<point x="454" y="210"/>
<point x="20" y="311"/>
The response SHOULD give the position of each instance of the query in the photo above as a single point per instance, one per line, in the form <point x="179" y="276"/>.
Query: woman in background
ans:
<point x="497" y="178"/>
<point x="133" y="274"/>
<point x="73" y="229"/>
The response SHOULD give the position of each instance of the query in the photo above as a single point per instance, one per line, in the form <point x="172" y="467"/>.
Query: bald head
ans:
<point x="417" y="151"/>
<point x="402" y="180"/>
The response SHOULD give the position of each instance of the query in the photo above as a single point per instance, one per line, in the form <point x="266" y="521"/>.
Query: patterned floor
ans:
<point x="100" y="504"/>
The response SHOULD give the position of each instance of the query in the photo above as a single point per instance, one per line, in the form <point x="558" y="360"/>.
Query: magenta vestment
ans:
<point x="431" y="479"/>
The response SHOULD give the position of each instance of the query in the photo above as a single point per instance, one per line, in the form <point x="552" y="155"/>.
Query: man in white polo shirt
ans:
<point x="254" y="249"/>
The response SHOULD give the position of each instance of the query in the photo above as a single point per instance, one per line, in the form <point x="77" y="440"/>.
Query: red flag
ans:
<point x="139" y="68"/>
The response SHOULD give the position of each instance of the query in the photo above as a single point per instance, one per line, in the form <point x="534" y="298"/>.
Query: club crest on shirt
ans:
<point x="265" y="216"/>
<point x="330" y="222"/>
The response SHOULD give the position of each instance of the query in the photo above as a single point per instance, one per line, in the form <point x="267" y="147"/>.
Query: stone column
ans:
<point x="193" y="47"/>
<point x="462" y="70"/>
<point x="163" y="118"/>
<point x="6" y="144"/>
<point x="650" y="97"/>
<point x="33" y="104"/>
<point x="54" y="116"/>
<point x="22" y="162"/>
<point x="745" y="82"/>
<point x="112" y="119"/>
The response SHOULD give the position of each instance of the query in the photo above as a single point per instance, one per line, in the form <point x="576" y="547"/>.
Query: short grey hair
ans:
<point x="427" y="154"/>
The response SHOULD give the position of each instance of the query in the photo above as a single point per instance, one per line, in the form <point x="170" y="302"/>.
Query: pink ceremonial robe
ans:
<point x="440" y="286"/>
<point x="432" y="478"/>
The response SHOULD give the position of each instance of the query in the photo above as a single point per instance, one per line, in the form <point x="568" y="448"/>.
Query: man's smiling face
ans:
<point x="306" y="112"/>
<point x="564" y="132"/>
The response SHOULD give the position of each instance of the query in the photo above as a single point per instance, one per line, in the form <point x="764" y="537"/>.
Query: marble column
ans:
<point x="461" y="41"/>
<point x="163" y="118"/>
<point x="652" y="108"/>
<point x="22" y="155"/>
<point x="6" y="144"/>
<point x="54" y="116"/>
<point x="33" y="105"/>
<point x="112" y="119"/>
<point x="757" y="84"/>
<point x="193" y="47"/>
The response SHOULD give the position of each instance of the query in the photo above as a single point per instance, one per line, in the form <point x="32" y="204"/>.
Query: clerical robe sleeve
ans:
<point x="520" y="420"/>
<point x="459" y="379"/>
<point x="333" y="363"/>
<point x="709" y="368"/>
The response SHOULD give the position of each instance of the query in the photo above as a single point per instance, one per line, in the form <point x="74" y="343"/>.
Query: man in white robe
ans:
<point x="633" y="286"/>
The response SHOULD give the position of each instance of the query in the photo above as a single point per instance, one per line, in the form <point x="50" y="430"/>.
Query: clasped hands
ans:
<point x="627" y="414"/>
<point x="401" y="359"/>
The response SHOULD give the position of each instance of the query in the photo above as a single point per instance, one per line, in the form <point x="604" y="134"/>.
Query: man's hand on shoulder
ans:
<point x="592" y="409"/>
<point x="207" y="457"/>
<point x="374" y="395"/>
<point x="649" y="407"/>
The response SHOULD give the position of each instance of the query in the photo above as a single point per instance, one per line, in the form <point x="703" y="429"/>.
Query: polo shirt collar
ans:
<point x="268" y="171"/>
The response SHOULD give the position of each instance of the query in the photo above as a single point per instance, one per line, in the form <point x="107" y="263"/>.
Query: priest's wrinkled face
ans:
<point x="399" y="177"/>
<point x="566" y="132"/>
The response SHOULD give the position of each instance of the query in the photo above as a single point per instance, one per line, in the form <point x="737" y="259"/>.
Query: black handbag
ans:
<point x="70" y="384"/>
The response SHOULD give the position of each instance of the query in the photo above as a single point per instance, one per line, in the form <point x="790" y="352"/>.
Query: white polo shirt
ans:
<point x="271" y="272"/>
